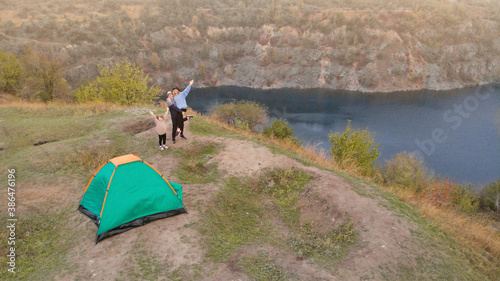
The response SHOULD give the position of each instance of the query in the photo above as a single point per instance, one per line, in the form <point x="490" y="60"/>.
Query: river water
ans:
<point x="457" y="133"/>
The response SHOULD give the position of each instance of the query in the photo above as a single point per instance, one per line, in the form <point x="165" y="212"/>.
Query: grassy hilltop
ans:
<point x="258" y="209"/>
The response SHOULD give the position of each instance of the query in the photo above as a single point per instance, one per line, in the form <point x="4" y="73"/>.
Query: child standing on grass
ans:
<point x="161" y="129"/>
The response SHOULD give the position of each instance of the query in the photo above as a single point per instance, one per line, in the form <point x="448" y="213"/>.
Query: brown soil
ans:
<point x="176" y="242"/>
<point x="138" y="125"/>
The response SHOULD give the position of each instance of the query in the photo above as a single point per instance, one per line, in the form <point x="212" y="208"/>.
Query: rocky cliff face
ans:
<point x="272" y="57"/>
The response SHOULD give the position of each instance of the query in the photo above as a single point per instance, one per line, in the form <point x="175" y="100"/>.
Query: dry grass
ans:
<point x="133" y="11"/>
<point x="7" y="98"/>
<point x="11" y="15"/>
<point x="469" y="231"/>
<point x="479" y="241"/>
<point x="62" y="107"/>
<point x="474" y="232"/>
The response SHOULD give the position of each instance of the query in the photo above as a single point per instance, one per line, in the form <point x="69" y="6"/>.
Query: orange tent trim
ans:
<point x="104" y="202"/>
<point x="91" y="178"/>
<point x="120" y="160"/>
<point x="161" y="176"/>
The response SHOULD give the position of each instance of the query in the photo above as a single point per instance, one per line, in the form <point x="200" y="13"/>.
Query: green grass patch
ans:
<point x="284" y="187"/>
<point x="42" y="243"/>
<point x="77" y="156"/>
<point x="261" y="267"/>
<point x="201" y="126"/>
<point x="328" y="248"/>
<point x="24" y="129"/>
<point x="194" y="167"/>
<point x="234" y="219"/>
<point x="80" y="141"/>
<point x="147" y="267"/>
<point x="89" y="154"/>
<point x="57" y="109"/>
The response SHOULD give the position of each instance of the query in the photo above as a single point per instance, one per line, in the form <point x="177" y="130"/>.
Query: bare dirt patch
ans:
<point x="244" y="158"/>
<point x="381" y="232"/>
<point x="53" y="193"/>
<point x="137" y="125"/>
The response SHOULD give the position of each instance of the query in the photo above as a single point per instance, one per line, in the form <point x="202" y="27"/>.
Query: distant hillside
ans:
<point x="353" y="45"/>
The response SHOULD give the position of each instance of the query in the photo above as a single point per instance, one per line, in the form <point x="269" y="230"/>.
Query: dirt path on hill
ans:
<point x="175" y="243"/>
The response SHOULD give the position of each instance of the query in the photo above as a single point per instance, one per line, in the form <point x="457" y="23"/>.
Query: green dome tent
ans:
<point x="127" y="192"/>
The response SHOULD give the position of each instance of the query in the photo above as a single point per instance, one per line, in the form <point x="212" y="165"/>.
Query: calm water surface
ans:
<point x="456" y="132"/>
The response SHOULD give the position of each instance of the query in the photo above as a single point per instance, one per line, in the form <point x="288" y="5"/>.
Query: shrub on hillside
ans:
<point x="44" y="75"/>
<point x="280" y="129"/>
<point x="406" y="170"/>
<point x="357" y="149"/>
<point x="244" y="115"/>
<point x="11" y="72"/>
<point x="490" y="196"/>
<point x="441" y="193"/>
<point x="447" y="193"/>
<point x="466" y="200"/>
<point x="121" y="82"/>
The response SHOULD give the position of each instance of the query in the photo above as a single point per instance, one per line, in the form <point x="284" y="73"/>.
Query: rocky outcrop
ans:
<point x="271" y="57"/>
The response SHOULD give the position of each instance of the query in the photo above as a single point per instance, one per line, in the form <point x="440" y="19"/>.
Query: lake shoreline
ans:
<point x="410" y="91"/>
<point x="467" y="119"/>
